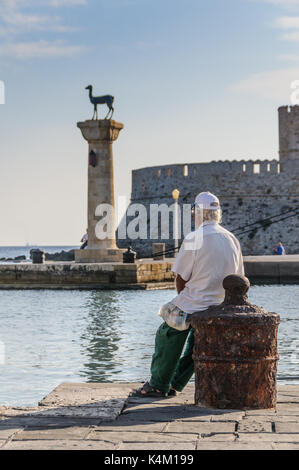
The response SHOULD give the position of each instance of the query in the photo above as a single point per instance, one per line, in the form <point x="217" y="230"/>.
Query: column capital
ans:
<point x="100" y="130"/>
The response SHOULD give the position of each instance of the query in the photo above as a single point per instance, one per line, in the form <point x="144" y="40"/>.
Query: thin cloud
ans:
<point x="289" y="57"/>
<point x="62" y="3"/>
<point x="40" y="49"/>
<point x="291" y="36"/>
<point x="274" y="84"/>
<point x="283" y="3"/>
<point x="287" y="22"/>
<point x="15" y="20"/>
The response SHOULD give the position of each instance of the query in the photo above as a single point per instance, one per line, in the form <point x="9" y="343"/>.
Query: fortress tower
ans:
<point x="250" y="191"/>
<point x="289" y="137"/>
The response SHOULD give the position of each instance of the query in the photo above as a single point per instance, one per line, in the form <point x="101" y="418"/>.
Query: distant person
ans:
<point x="279" y="249"/>
<point x="84" y="239"/>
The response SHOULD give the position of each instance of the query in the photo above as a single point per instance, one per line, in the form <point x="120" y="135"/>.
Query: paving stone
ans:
<point x="200" y="427"/>
<point x="254" y="426"/>
<point x="7" y="431"/>
<point x="140" y="436"/>
<point x="285" y="419"/>
<point x="288" y="399"/>
<point x="203" y="445"/>
<point x="288" y="388"/>
<point x="195" y="412"/>
<point x="270" y="412"/>
<point x="220" y="437"/>
<point x="157" y="415"/>
<point x="180" y="398"/>
<point x="260" y="418"/>
<point x="226" y="417"/>
<point x="147" y="416"/>
<point x="87" y="411"/>
<point x="286" y="445"/>
<point x="202" y="418"/>
<point x="58" y="421"/>
<point x="268" y="437"/>
<point x="71" y="433"/>
<point x="160" y="407"/>
<point x="287" y="427"/>
<point x="128" y="426"/>
<point x="288" y="409"/>
<point x="170" y="413"/>
<point x="216" y="411"/>
<point x="158" y="446"/>
<point x="87" y="393"/>
<point x="213" y="418"/>
<point x="59" y="445"/>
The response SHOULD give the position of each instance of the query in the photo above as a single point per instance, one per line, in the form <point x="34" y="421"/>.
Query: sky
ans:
<point x="193" y="81"/>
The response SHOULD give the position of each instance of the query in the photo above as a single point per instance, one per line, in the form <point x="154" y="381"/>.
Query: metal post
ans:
<point x="176" y="195"/>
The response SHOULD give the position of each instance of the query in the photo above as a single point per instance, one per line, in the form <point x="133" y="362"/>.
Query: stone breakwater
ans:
<point x="87" y="276"/>
<point x="144" y="274"/>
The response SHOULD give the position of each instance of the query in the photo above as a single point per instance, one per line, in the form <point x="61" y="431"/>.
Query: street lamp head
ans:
<point x="175" y="194"/>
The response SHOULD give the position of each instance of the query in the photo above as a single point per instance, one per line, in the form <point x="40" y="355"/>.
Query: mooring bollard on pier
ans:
<point x="235" y="351"/>
<point x="158" y="250"/>
<point x="37" y="256"/>
<point x="129" y="256"/>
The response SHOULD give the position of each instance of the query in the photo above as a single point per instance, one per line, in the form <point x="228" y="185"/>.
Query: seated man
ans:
<point x="279" y="249"/>
<point x="204" y="260"/>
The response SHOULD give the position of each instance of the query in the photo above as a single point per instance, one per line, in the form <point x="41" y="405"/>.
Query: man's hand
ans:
<point x="180" y="283"/>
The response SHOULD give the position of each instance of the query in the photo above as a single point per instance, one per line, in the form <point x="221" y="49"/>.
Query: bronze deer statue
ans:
<point x="105" y="99"/>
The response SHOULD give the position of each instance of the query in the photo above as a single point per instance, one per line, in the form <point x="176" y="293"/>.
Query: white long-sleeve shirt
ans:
<point x="217" y="255"/>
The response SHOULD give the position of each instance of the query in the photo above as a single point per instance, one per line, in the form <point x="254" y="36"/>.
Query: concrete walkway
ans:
<point x="91" y="416"/>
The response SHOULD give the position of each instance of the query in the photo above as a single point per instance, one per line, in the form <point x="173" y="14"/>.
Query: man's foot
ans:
<point x="172" y="392"/>
<point x="148" y="391"/>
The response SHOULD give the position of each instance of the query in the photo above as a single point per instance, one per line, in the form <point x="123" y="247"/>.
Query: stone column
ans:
<point x="100" y="135"/>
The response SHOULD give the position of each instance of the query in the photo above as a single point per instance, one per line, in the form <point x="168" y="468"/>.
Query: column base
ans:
<point x="99" y="255"/>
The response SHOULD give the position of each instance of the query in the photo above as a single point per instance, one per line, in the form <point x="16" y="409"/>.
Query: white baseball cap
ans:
<point x="208" y="201"/>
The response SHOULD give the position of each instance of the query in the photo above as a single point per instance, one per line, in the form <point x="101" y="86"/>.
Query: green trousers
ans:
<point x="168" y="367"/>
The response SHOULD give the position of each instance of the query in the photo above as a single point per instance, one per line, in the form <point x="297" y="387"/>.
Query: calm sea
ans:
<point x="13" y="251"/>
<point x="48" y="337"/>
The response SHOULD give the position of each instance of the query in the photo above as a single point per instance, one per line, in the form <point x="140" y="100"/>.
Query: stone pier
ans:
<point x="144" y="274"/>
<point x="100" y="135"/>
<point x="102" y="416"/>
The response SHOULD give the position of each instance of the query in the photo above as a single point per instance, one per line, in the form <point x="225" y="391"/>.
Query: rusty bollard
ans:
<point x="235" y="351"/>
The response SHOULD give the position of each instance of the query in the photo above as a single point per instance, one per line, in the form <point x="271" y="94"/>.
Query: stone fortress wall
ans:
<point x="248" y="191"/>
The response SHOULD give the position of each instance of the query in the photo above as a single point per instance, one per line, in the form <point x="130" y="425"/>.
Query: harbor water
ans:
<point x="48" y="337"/>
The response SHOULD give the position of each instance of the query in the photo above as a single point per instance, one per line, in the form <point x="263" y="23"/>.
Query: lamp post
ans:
<point x="176" y="195"/>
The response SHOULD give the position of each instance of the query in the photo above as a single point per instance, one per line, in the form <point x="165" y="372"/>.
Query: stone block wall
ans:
<point x="248" y="191"/>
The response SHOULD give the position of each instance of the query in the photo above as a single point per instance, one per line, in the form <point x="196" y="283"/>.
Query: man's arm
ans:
<point x="180" y="283"/>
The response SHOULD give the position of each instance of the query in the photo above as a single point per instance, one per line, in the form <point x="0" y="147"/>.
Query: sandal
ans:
<point x="149" y="392"/>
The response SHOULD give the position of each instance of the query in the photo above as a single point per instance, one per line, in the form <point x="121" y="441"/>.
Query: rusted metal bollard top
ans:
<point x="235" y="351"/>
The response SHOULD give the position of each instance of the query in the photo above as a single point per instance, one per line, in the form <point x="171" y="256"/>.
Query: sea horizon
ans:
<point x="12" y="251"/>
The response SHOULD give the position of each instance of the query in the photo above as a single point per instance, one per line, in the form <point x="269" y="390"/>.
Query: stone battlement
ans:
<point x="249" y="191"/>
